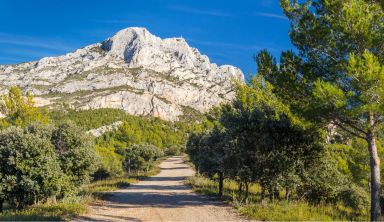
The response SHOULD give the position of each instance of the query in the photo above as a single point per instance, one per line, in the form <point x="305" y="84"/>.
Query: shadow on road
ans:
<point x="160" y="200"/>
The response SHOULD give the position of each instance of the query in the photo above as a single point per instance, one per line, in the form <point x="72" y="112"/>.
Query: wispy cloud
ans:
<point x="114" y="21"/>
<point x="270" y="15"/>
<point x="200" y="11"/>
<point x="43" y="43"/>
<point x="97" y="33"/>
<point x="36" y="53"/>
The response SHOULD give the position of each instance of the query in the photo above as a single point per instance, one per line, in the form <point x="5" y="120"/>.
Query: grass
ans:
<point x="110" y="184"/>
<point x="64" y="210"/>
<point x="299" y="211"/>
<point x="278" y="210"/>
<point x="69" y="208"/>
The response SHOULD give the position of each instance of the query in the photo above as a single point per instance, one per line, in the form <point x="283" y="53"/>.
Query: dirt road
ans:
<point x="162" y="198"/>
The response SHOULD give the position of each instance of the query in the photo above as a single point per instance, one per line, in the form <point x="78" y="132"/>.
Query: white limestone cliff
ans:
<point x="133" y="70"/>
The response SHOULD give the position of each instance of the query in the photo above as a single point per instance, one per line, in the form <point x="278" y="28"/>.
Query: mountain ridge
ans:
<point x="133" y="70"/>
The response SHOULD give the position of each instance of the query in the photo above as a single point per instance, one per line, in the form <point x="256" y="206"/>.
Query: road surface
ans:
<point x="163" y="197"/>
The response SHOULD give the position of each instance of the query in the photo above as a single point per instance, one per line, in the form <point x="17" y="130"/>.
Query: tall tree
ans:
<point x="338" y="74"/>
<point x="20" y="109"/>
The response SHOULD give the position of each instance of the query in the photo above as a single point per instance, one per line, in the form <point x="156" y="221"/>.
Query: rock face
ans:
<point x="133" y="70"/>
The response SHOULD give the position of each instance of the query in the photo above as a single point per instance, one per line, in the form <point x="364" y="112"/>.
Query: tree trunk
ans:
<point x="287" y="193"/>
<point x="246" y="191"/>
<point x="129" y="166"/>
<point x="221" y="184"/>
<point x="1" y="205"/>
<point x="262" y="194"/>
<point x="375" y="173"/>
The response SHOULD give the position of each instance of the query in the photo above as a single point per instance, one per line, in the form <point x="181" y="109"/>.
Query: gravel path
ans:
<point x="162" y="198"/>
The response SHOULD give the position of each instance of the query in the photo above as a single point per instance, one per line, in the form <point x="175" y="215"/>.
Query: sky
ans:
<point x="227" y="31"/>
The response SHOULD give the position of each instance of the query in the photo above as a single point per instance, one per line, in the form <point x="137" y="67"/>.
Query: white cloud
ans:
<point x="114" y="21"/>
<point x="43" y="43"/>
<point x="270" y="15"/>
<point x="200" y="11"/>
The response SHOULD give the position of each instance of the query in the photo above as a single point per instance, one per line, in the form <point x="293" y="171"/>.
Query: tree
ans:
<point x="337" y="75"/>
<point x="75" y="151"/>
<point x="19" y="110"/>
<point x="210" y="157"/>
<point x="29" y="168"/>
<point x="256" y="139"/>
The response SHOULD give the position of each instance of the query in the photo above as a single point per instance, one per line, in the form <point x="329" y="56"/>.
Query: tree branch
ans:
<point x="353" y="126"/>
<point x="349" y="131"/>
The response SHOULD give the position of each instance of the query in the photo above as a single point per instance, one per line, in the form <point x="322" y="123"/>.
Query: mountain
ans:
<point x="133" y="70"/>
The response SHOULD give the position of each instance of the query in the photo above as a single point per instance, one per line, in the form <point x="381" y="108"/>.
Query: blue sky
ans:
<point x="228" y="31"/>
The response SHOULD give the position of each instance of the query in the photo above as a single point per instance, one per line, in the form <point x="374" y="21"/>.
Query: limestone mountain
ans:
<point x="134" y="71"/>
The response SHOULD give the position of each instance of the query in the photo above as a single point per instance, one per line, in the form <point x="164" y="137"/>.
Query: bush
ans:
<point x="76" y="154"/>
<point x="141" y="157"/>
<point x="174" y="150"/>
<point x="356" y="198"/>
<point x="323" y="181"/>
<point x="110" y="165"/>
<point x="29" y="168"/>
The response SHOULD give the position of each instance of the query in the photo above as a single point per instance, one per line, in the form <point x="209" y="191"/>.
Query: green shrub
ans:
<point x="355" y="197"/>
<point x="76" y="154"/>
<point x="89" y="119"/>
<point x="174" y="150"/>
<point x="141" y="157"/>
<point x="111" y="163"/>
<point x="29" y="168"/>
<point x="276" y="210"/>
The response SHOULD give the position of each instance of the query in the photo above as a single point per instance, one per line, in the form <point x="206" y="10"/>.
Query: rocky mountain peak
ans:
<point x="125" y="42"/>
<point x="133" y="70"/>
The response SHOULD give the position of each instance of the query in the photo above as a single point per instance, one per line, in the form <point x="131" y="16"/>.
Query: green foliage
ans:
<point x="88" y="119"/>
<point x="47" y="212"/>
<point x="298" y="211"/>
<point x="19" y="109"/>
<point x="29" y="168"/>
<point x="174" y="150"/>
<point x="76" y="154"/>
<point x="323" y="181"/>
<point x="42" y="162"/>
<point x="256" y="139"/>
<point x="337" y="75"/>
<point x="111" y="163"/>
<point x="109" y="184"/>
<point x="277" y="210"/>
<point x="136" y="130"/>
<point x="141" y="157"/>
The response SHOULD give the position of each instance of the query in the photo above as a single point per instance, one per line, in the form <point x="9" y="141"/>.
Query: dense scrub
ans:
<point x="43" y="163"/>
<point x="47" y="160"/>
<point x="281" y="210"/>
<point x="89" y="119"/>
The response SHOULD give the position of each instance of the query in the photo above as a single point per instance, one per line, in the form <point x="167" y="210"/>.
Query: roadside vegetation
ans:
<point x="307" y="129"/>
<point x="51" y="168"/>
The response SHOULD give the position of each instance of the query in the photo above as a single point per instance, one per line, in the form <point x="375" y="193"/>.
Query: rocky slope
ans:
<point x="133" y="70"/>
